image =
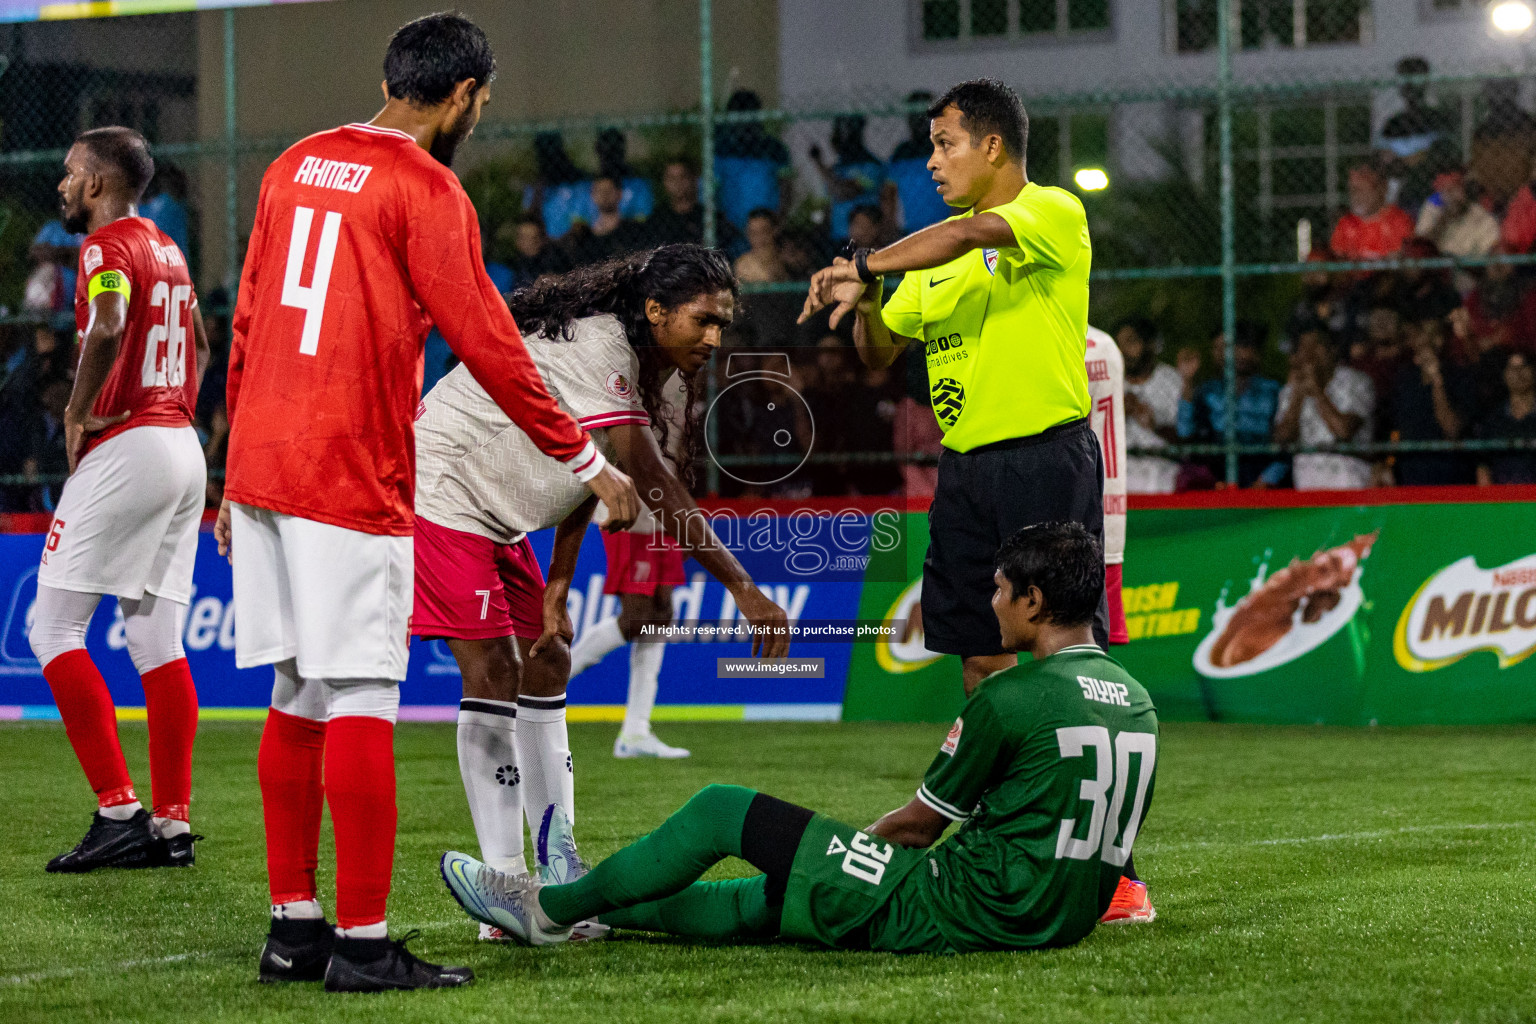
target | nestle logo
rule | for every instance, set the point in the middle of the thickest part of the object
(1514, 577)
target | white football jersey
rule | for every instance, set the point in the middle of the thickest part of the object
(1106, 388)
(478, 472)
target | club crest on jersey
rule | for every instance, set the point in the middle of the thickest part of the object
(619, 386)
(989, 257)
(953, 739)
(92, 259)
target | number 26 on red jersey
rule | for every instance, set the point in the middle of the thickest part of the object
(311, 297)
(165, 348)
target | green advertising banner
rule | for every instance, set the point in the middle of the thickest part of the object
(1389, 614)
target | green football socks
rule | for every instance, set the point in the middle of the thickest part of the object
(664, 863)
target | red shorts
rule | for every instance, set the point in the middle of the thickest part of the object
(1118, 634)
(638, 563)
(469, 587)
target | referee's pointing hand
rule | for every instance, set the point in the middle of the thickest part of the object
(838, 284)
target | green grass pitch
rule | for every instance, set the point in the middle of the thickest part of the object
(1299, 875)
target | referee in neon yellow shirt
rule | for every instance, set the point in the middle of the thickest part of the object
(997, 297)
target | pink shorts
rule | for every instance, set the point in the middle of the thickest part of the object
(469, 587)
(1118, 634)
(638, 563)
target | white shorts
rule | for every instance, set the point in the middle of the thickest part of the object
(127, 521)
(337, 600)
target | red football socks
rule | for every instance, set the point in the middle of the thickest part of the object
(292, 798)
(171, 703)
(90, 722)
(360, 785)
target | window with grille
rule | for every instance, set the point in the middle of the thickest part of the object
(951, 23)
(1060, 143)
(1267, 24)
(1291, 161)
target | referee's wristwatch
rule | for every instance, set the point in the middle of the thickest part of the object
(861, 264)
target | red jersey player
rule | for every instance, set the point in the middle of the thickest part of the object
(363, 239)
(1106, 387)
(128, 518)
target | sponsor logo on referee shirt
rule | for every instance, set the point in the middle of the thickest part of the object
(989, 257)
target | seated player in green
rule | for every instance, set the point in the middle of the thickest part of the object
(1049, 768)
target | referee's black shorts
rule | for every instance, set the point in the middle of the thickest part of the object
(982, 497)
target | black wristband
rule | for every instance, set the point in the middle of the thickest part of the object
(861, 264)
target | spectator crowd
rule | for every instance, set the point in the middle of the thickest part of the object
(1365, 356)
(1401, 355)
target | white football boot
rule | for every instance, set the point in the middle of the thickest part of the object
(508, 902)
(647, 745)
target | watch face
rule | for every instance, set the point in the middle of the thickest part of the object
(761, 418)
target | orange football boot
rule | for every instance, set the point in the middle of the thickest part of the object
(1131, 905)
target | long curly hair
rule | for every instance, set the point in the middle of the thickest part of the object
(673, 275)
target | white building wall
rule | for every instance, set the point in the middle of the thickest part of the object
(861, 52)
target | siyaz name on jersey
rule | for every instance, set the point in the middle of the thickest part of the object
(1104, 692)
(337, 174)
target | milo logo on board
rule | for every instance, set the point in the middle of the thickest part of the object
(1464, 608)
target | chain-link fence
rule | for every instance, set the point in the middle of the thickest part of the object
(1362, 229)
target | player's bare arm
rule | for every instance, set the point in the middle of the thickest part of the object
(98, 351)
(933, 246)
(877, 345)
(637, 450)
(915, 824)
(562, 568)
(200, 342)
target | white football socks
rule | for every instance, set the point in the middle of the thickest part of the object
(120, 812)
(379, 930)
(544, 758)
(298, 910)
(644, 675)
(488, 765)
(595, 644)
(172, 827)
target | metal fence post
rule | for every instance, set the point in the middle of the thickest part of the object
(1228, 233)
(231, 163)
(707, 177)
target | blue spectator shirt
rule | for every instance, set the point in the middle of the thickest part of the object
(635, 202)
(921, 204)
(869, 174)
(745, 184)
(1205, 417)
(53, 233)
(169, 216)
(501, 276)
(563, 205)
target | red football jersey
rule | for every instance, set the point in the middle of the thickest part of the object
(362, 241)
(154, 378)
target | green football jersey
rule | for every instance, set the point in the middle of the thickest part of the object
(1050, 765)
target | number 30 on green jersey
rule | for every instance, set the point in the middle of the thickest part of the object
(1113, 769)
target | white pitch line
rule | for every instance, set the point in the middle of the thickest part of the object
(1333, 837)
(121, 965)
